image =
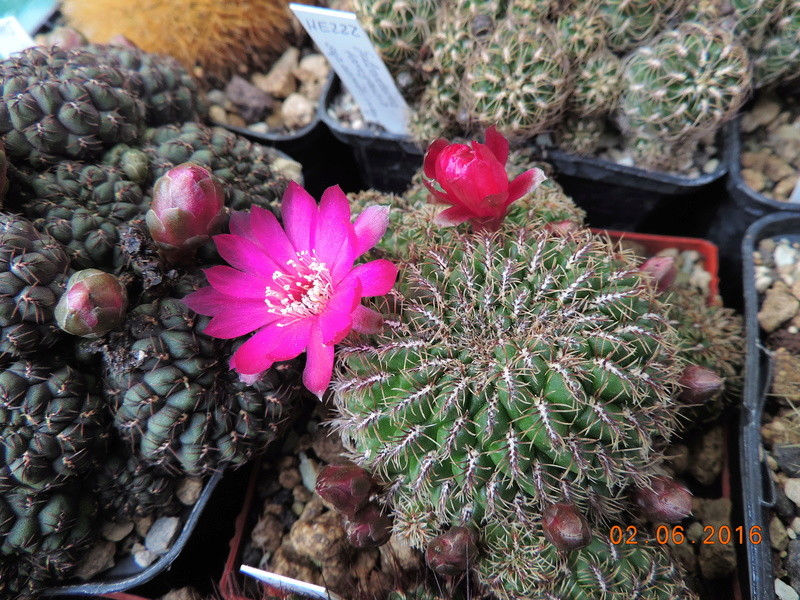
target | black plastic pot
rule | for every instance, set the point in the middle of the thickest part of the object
(758, 494)
(127, 574)
(614, 196)
(326, 160)
(742, 207)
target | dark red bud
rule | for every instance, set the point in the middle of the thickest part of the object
(699, 384)
(565, 527)
(346, 487)
(662, 270)
(452, 552)
(369, 527)
(665, 500)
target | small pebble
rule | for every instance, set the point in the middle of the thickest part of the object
(784, 591)
(99, 559)
(159, 538)
(115, 532)
(189, 490)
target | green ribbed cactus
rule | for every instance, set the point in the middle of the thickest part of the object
(631, 22)
(580, 135)
(582, 32)
(521, 563)
(684, 85)
(597, 84)
(754, 18)
(519, 81)
(174, 399)
(169, 93)
(53, 424)
(42, 539)
(33, 273)
(398, 28)
(82, 206)
(777, 58)
(59, 104)
(524, 369)
(436, 111)
(250, 173)
(126, 487)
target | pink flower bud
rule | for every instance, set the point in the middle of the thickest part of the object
(452, 552)
(665, 500)
(662, 270)
(562, 228)
(369, 527)
(188, 207)
(699, 384)
(64, 37)
(346, 487)
(94, 303)
(565, 527)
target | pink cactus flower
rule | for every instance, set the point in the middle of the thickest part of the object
(473, 180)
(295, 286)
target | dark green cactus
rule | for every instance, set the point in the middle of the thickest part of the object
(60, 103)
(176, 402)
(33, 272)
(52, 422)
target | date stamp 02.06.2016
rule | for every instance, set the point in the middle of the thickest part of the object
(676, 534)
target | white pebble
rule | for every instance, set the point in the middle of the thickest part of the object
(784, 591)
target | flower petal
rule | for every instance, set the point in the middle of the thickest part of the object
(454, 215)
(436, 147)
(207, 301)
(498, 144)
(299, 214)
(524, 183)
(366, 320)
(239, 224)
(319, 364)
(235, 283)
(272, 343)
(348, 294)
(242, 317)
(377, 277)
(370, 226)
(334, 326)
(333, 225)
(270, 235)
(244, 255)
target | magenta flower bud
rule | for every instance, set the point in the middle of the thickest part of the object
(699, 384)
(93, 304)
(662, 270)
(346, 487)
(452, 552)
(565, 527)
(188, 207)
(665, 500)
(369, 527)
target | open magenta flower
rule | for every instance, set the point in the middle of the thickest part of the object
(472, 179)
(295, 286)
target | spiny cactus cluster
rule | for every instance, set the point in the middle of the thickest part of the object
(534, 67)
(518, 399)
(108, 388)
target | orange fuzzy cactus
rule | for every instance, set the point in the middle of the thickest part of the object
(218, 37)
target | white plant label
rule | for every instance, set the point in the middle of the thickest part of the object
(339, 36)
(287, 584)
(795, 197)
(13, 37)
